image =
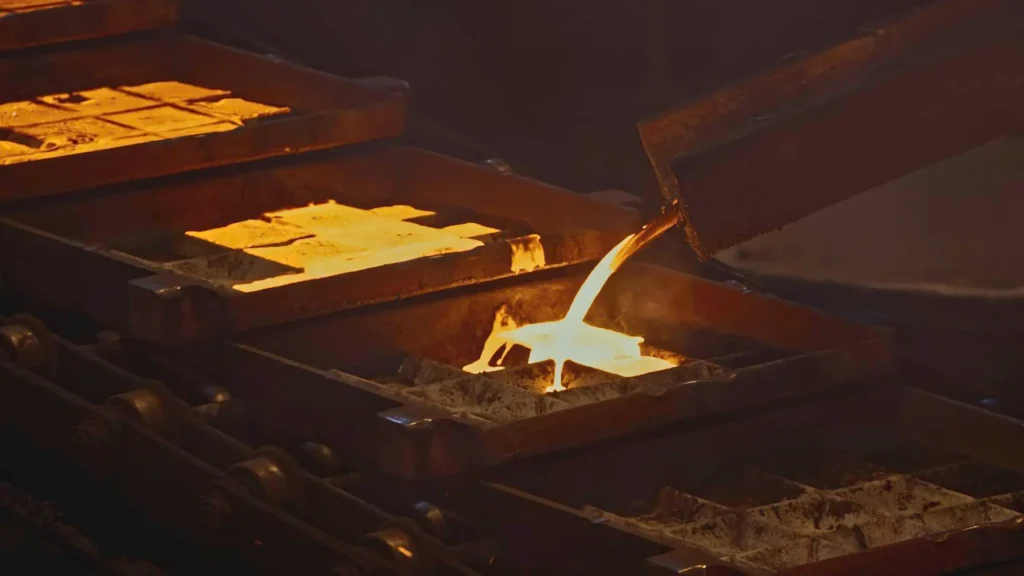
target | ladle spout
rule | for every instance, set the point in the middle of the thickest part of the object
(669, 218)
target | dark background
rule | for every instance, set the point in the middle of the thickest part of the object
(555, 87)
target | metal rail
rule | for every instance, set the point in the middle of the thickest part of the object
(164, 455)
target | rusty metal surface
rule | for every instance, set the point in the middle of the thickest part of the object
(107, 254)
(323, 111)
(27, 24)
(892, 497)
(747, 351)
(764, 152)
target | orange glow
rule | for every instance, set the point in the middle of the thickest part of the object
(527, 254)
(328, 239)
(113, 117)
(571, 338)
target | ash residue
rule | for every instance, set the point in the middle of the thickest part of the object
(902, 495)
(584, 385)
(816, 513)
(733, 533)
(964, 516)
(399, 374)
(532, 377)
(422, 371)
(671, 505)
(805, 551)
(881, 532)
(486, 398)
(974, 479)
(841, 522)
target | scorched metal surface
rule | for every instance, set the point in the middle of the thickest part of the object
(123, 257)
(764, 152)
(383, 382)
(27, 23)
(125, 109)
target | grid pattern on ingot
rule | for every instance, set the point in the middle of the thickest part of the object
(8, 6)
(112, 117)
(518, 393)
(310, 242)
(785, 512)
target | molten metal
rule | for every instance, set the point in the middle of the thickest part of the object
(571, 338)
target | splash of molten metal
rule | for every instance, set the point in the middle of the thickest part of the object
(571, 338)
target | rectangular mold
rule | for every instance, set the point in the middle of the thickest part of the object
(400, 379)
(28, 23)
(124, 258)
(894, 525)
(118, 110)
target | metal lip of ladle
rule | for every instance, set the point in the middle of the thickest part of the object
(671, 215)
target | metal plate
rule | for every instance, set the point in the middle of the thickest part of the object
(123, 257)
(91, 116)
(27, 23)
(891, 481)
(813, 131)
(336, 374)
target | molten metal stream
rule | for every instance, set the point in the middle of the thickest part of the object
(571, 338)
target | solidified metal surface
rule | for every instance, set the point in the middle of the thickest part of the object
(325, 111)
(808, 133)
